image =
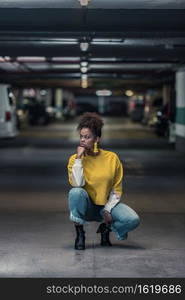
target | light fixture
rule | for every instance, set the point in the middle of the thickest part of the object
(129, 93)
(31, 59)
(84, 63)
(7, 58)
(43, 92)
(103, 93)
(84, 2)
(83, 66)
(84, 81)
(66, 58)
(84, 46)
(84, 76)
(83, 69)
(84, 84)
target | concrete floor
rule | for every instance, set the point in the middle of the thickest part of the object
(36, 236)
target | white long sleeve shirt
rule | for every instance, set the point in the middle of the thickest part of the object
(79, 181)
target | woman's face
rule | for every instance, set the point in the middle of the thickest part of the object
(87, 138)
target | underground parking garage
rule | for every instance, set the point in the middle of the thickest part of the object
(110, 58)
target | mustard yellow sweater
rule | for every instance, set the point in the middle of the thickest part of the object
(102, 175)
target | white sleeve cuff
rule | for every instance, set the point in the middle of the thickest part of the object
(112, 201)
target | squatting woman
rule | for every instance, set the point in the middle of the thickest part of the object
(96, 178)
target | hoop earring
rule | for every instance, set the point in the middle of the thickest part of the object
(95, 150)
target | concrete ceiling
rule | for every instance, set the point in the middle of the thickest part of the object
(130, 43)
(96, 4)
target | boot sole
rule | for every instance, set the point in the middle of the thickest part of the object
(80, 248)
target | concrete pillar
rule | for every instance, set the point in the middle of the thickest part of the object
(166, 92)
(59, 103)
(180, 110)
(101, 104)
(48, 97)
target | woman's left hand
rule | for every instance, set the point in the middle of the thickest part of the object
(107, 217)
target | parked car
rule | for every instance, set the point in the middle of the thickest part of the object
(8, 117)
(85, 107)
(37, 113)
(136, 110)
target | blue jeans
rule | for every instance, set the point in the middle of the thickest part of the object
(82, 209)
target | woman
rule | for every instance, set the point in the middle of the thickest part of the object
(96, 176)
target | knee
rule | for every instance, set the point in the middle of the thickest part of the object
(77, 193)
(135, 221)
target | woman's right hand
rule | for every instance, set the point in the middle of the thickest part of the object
(80, 151)
(107, 217)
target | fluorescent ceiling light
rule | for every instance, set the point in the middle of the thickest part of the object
(65, 66)
(107, 43)
(104, 59)
(7, 58)
(65, 59)
(65, 40)
(31, 58)
(103, 93)
(38, 66)
(7, 66)
(107, 40)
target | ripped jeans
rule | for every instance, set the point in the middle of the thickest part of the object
(82, 209)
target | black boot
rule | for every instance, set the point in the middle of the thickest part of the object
(80, 238)
(104, 229)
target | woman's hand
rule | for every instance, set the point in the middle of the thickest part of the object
(107, 217)
(80, 151)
